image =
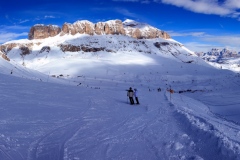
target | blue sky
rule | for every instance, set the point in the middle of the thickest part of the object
(198, 24)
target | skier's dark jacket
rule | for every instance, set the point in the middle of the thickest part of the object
(130, 93)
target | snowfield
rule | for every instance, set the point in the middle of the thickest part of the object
(74, 105)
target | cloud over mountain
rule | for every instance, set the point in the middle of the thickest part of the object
(226, 8)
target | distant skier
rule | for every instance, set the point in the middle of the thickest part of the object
(130, 94)
(136, 95)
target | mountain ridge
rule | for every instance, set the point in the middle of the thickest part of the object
(222, 58)
(38, 52)
(217, 55)
(128, 27)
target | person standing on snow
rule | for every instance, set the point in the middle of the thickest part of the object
(130, 95)
(136, 95)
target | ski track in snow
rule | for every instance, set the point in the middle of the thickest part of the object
(111, 129)
(136, 126)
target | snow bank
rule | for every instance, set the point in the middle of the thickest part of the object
(201, 117)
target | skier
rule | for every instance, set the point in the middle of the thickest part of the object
(136, 95)
(130, 95)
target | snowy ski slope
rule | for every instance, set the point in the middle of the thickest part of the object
(85, 114)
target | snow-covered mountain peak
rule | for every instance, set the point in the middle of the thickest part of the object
(222, 58)
(130, 22)
(36, 25)
(128, 27)
(82, 22)
(142, 30)
(135, 24)
(111, 40)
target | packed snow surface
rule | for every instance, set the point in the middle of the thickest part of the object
(74, 106)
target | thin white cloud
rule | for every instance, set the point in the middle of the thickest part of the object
(7, 17)
(4, 28)
(235, 4)
(201, 6)
(8, 33)
(45, 17)
(126, 12)
(200, 47)
(141, 1)
(230, 40)
(184, 34)
(145, 1)
(126, 0)
(227, 8)
(21, 21)
(24, 21)
(119, 10)
(205, 47)
(202, 41)
(221, 25)
(48, 16)
(4, 37)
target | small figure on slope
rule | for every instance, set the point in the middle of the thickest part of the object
(130, 94)
(136, 95)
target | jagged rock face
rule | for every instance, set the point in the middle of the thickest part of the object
(45, 49)
(159, 44)
(69, 48)
(82, 27)
(218, 55)
(25, 48)
(4, 56)
(114, 27)
(221, 53)
(72, 48)
(8, 47)
(164, 35)
(136, 34)
(101, 28)
(41, 31)
(146, 34)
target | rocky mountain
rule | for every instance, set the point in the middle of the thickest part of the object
(222, 58)
(113, 27)
(40, 31)
(128, 27)
(218, 55)
(114, 38)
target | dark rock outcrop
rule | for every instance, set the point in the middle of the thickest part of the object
(7, 47)
(25, 50)
(45, 49)
(4, 56)
(42, 31)
(159, 44)
(72, 48)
